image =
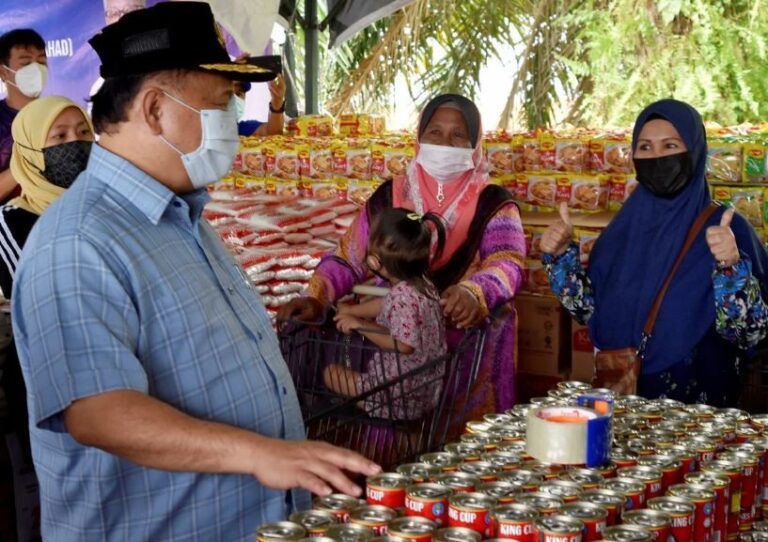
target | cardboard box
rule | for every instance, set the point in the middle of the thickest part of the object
(535, 385)
(543, 335)
(582, 353)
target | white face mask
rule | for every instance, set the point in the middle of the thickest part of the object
(239, 107)
(218, 147)
(445, 163)
(30, 79)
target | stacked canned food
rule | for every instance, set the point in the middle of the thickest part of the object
(678, 473)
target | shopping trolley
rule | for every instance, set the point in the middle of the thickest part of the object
(402, 414)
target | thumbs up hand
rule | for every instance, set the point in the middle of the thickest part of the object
(722, 242)
(558, 236)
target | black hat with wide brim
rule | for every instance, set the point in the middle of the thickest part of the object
(172, 36)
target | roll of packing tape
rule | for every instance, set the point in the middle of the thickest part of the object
(569, 436)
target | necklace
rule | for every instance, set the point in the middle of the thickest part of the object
(440, 195)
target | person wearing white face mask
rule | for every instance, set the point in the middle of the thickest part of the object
(24, 72)
(160, 406)
(480, 270)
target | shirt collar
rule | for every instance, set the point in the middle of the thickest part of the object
(146, 193)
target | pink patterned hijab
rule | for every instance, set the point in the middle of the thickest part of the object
(417, 190)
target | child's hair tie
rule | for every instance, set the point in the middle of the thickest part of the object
(416, 217)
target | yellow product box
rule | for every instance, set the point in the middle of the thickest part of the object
(620, 188)
(586, 238)
(500, 158)
(529, 153)
(547, 153)
(750, 203)
(589, 192)
(287, 164)
(320, 159)
(724, 161)
(754, 163)
(542, 190)
(360, 190)
(610, 155)
(310, 126)
(571, 155)
(361, 124)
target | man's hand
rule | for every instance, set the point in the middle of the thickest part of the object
(312, 465)
(303, 309)
(277, 91)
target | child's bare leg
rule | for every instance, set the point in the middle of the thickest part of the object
(341, 380)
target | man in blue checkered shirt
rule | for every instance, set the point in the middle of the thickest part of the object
(160, 406)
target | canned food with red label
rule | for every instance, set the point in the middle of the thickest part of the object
(514, 522)
(623, 458)
(565, 489)
(544, 503)
(705, 447)
(573, 387)
(684, 453)
(456, 534)
(627, 533)
(503, 492)
(702, 412)
(586, 478)
(374, 517)
(749, 469)
(412, 529)
(650, 476)
(651, 412)
(760, 526)
(606, 471)
(446, 461)
(642, 446)
(721, 485)
(549, 471)
(594, 516)
(316, 522)
(428, 501)
(704, 499)
(483, 470)
(661, 436)
(349, 532)
(632, 489)
(509, 432)
(476, 426)
(676, 427)
(733, 471)
(472, 511)
(468, 451)
(671, 468)
(558, 528)
(283, 531)
(496, 418)
(527, 480)
(338, 504)
(460, 482)
(490, 442)
(682, 512)
(418, 473)
(612, 501)
(387, 489)
(502, 460)
(658, 523)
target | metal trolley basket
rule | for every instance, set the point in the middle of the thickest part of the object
(397, 416)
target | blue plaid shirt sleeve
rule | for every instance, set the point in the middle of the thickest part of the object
(79, 328)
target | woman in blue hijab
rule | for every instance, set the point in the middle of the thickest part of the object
(715, 309)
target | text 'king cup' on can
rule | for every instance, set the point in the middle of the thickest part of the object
(387, 489)
(658, 523)
(412, 529)
(703, 498)
(428, 501)
(471, 511)
(559, 528)
(514, 522)
(594, 516)
(682, 511)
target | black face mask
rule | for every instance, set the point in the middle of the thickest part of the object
(665, 176)
(63, 163)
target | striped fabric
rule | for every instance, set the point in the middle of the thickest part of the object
(122, 286)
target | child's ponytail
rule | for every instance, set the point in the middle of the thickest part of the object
(439, 224)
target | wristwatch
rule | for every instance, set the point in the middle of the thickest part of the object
(280, 110)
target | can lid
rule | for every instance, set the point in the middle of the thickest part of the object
(584, 510)
(283, 530)
(560, 523)
(515, 512)
(457, 534)
(411, 525)
(627, 533)
(692, 491)
(672, 504)
(475, 501)
(647, 518)
(313, 518)
(388, 480)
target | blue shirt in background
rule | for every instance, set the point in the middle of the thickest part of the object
(122, 286)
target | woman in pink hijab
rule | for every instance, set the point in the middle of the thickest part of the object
(481, 269)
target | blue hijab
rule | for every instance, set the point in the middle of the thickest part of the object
(633, 256)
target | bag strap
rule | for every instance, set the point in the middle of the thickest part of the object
(690, 238)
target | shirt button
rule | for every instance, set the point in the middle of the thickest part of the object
(285, 391)
(231, 290)
(258, 334)
(177, 204)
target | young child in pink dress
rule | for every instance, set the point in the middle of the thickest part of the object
(409, 328)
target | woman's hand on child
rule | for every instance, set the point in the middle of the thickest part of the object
(722, 242)
(346, 323)
(461, 306)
